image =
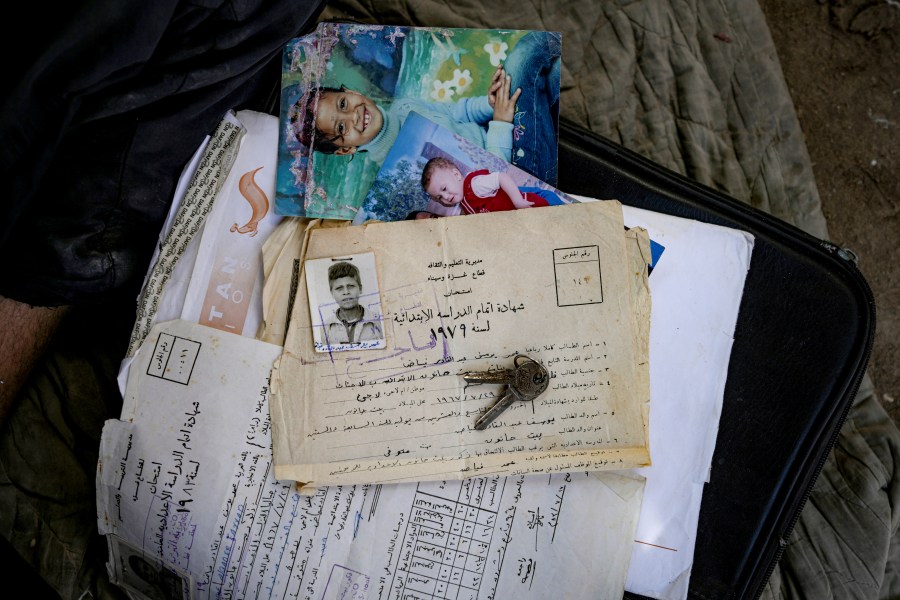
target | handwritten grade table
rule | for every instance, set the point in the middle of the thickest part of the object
(447, 541)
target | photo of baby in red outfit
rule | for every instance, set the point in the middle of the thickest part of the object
(480, 191)
(431, 172)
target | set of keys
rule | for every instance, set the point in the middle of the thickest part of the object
(525, 382)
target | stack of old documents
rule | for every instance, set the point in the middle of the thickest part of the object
(190, 493)
(234, 392)
(565, 286)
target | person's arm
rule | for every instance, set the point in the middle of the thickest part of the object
(512, 190)
(498, 140)
(496, 109)
(25, 332)
(475, 109)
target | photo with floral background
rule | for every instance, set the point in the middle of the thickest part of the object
(387, 63)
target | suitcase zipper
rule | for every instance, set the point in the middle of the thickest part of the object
(851, 257)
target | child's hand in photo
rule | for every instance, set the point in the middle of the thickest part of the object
(504, 104)
(496, 81)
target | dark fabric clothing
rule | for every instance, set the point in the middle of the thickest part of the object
(49, 449)
(108, 102)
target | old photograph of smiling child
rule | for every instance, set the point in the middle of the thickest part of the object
(347, 92)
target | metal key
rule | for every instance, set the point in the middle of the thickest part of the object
(526, 382)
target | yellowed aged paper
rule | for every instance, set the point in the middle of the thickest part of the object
(640, 257)
(282, 253)
(556, 284)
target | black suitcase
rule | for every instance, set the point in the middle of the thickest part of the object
(801, 344)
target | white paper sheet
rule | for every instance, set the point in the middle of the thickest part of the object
(228, 274)
(696, 287)
(220, 262)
